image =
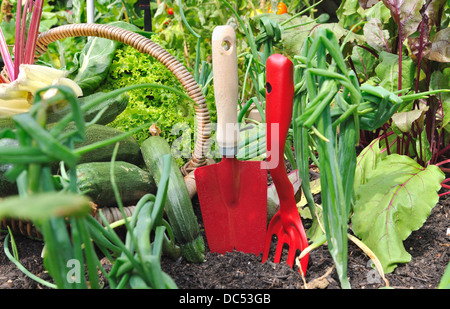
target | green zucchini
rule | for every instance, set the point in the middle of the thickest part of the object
(129, 150)
(113, 107)
(94, 180)
(178, 207)
(7, 188)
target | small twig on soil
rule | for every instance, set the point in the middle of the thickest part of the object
(418, 279)
(321, 282)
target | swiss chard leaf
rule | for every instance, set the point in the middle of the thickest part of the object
(388, 71)
(366, 162)
(364, 62)
(404, 120)
(406, 15)
(349, 13)
(440, 50)
(396, 200)
(420, 44)
(365, 4)
(376, 36)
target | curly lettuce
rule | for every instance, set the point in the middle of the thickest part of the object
(148, 105)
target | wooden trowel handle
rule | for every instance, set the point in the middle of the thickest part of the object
(225, 74)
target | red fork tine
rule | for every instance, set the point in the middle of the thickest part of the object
(286, 224)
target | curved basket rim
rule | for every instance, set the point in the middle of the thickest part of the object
(144, 45)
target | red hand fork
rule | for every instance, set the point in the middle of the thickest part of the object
(286, 224)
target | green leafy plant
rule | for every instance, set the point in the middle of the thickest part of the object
(95, 60)
(106, 11)
(403, 51)
(35, 182)
(376, 80)
(160, 106)
(445, 280)
(387, 195)
(187, 31)
(336, 180)
(352, 89)
(395, 198)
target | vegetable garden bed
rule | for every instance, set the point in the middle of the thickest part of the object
(428, 246)
(98, 116)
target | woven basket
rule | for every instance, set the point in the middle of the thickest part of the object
(146, 46)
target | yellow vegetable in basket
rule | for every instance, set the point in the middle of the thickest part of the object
(16, 97)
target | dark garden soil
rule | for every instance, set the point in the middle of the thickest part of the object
(429, 247)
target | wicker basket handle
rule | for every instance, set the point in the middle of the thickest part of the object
(147, 46)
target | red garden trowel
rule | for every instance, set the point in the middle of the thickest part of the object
(286, 224)
(232, 193)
